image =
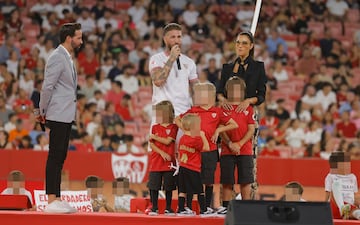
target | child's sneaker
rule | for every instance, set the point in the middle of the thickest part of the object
(221, 211)
(153, 212)
(345, 211)
(185, 212)
(356, 214)
(209, 212)
(169, 212)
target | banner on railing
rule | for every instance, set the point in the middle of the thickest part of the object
(80, 200)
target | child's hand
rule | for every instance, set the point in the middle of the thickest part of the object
(215, 136)
(165, 156)
(234, 148)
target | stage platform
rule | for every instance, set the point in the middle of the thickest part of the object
(40, 218)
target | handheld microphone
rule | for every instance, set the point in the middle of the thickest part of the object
(178, 63)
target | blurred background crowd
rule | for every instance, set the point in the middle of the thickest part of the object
(311, 50)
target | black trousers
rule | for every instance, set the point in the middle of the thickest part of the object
(58, 147)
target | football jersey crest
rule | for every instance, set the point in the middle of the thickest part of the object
(213, 115)
(167, 131)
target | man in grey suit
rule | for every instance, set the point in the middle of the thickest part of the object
(58, 108)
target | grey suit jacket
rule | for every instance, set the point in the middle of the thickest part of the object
(58, 93)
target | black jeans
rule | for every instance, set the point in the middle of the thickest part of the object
(58, 147)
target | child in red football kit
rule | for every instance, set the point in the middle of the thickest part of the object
(162, 143)
(213, 122)
(236, 146)
(191, 144)
(341, 186)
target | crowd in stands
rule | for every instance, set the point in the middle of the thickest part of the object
(311, 50)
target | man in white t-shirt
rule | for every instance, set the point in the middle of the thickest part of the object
(172, 73)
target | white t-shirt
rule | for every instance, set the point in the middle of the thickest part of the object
(326, 100)
(87, 25)
(176, 88)
(294, 138)
(123, 149)
(348, 185)
(129, 84)
(337, 8)
(23, 191)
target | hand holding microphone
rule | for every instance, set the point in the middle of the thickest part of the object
(175, 54)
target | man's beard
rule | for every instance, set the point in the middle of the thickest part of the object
(75, 47)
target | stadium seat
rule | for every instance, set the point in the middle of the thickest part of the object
(353, 16)
(316, 27)
(130, 128)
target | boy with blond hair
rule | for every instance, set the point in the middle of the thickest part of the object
(213, 122)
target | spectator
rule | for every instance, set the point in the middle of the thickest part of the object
(212, 72)
(337, 9)
(136, 11)
(281, 55)
(200, 31)
(16, 185)
(14, 23)
(26, 81)
(345, 128)
(89, 63)
(295, 134)
(109, 116)
(35, 95)
(281, 112)
(122, 60)
(89, 88)
(307, 64)
(98, 10)
(60, 7)
(42, 143)
(7, 47)
(35, 132)
(95, 185)
(102, 82)
(326, 96)
(115, 93)
(98, 99)
(39, 10)
(105, 144)
(118, 136)
(128, 79)
(25, 143)
(4, 111)
(128, 146)
(23, 106)
(125, 108)
(85, 145)
(4, 140)
(355, 113)
(313, 150)
(108, 18)
(279, 72)
(273, 41)
(270, 149)
(328, 123)
(313, 134)
(190, 14)
(293, 192)
(87, 22)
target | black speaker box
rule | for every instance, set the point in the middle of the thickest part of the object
(253, 212)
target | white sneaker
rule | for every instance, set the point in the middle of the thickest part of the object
(208, 213)
(56, 207)
(356, 214)
(69, 207)
(221, 211)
